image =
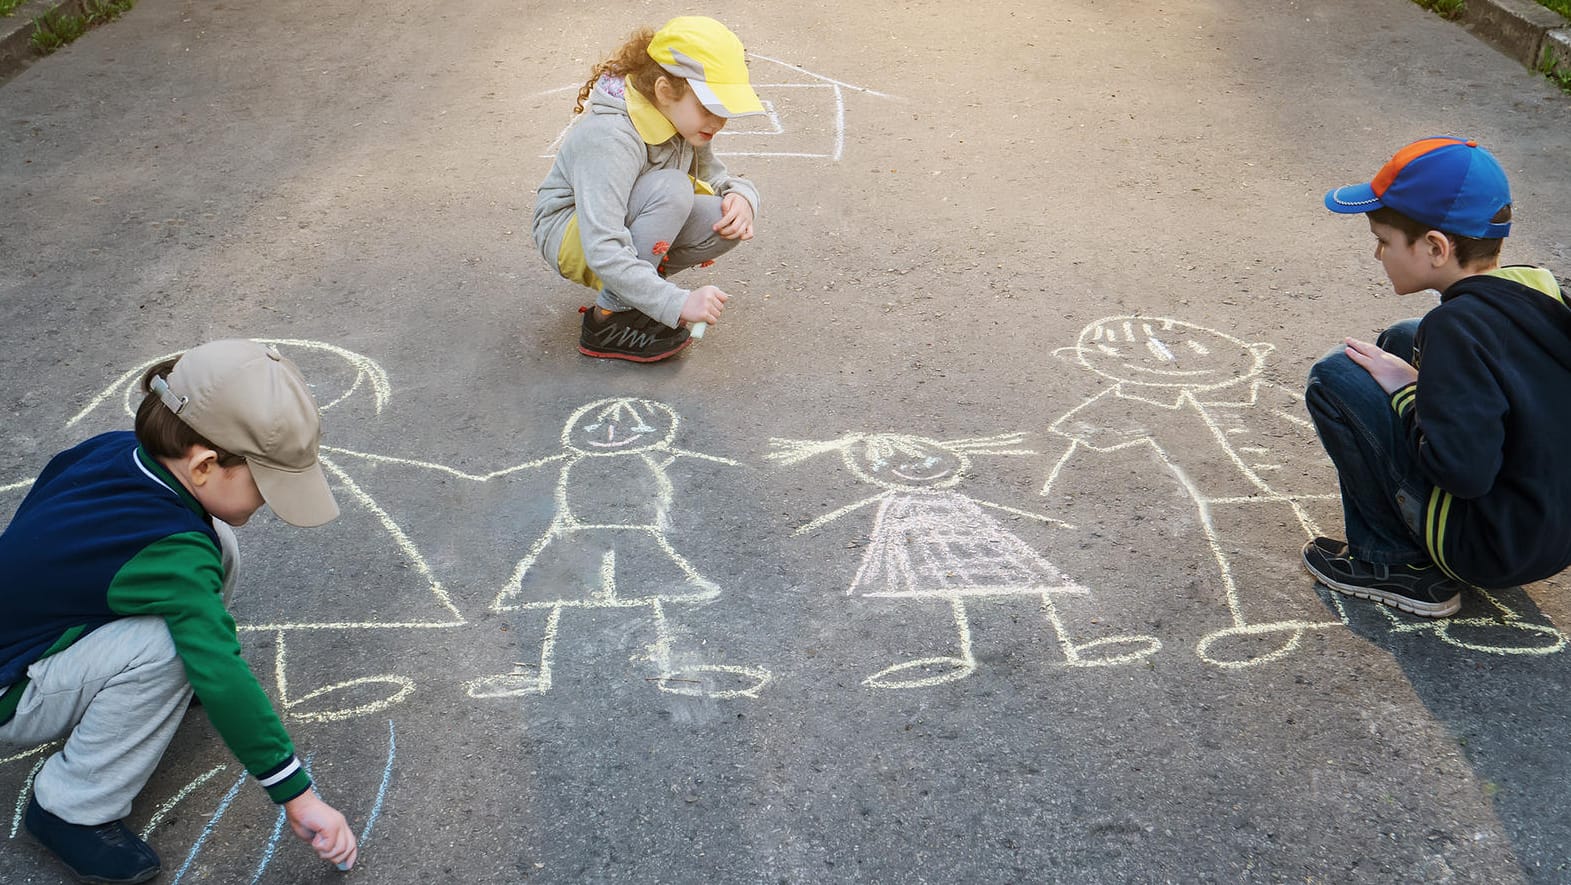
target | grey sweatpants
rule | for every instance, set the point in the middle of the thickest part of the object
(663, 208)
(117, 697)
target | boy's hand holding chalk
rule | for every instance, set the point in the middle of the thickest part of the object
(324, 827)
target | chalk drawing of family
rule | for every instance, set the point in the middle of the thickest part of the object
(607, 544)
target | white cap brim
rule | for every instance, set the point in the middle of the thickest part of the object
(299, 497)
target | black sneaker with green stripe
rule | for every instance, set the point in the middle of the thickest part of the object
(1420, 589)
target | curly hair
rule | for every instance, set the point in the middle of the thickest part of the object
(631, 61)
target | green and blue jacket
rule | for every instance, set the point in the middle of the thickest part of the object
(107, 533)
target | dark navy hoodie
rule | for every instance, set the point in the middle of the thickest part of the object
(1489, 421)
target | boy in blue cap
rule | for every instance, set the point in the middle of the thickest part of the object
(1448, 433)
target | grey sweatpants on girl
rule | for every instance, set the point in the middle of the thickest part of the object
(662, 207)
(116, 696)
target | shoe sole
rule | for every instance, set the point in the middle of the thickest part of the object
(1411, 606)
(608, 355)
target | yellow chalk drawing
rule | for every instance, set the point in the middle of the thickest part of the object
(929, 541)
(1174, 380)
(606, 546)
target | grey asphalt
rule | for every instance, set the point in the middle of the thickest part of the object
(953, 196)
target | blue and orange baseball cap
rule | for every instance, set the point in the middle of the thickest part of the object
(1450, 184)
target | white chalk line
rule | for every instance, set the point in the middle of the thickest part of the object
(22, 484)
(207, 830)
(26, 792)
(168, 805)
(405, 687)
(365, 367)
(405, 545)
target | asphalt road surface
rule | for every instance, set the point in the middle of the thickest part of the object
(964, 548)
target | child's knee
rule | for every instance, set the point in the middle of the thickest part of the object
(1398, 339)
(148, 640)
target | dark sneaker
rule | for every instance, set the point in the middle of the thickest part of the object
(108, 853)
(1422, 590)
(628, 335)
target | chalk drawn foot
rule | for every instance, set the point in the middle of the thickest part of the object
(1498, 637)
(507, 685)
(346, 700)
(715, 681)
(921, 673)
(1248, 645)
(1111, 651)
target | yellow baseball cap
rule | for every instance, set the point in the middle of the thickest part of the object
(710, 58)
(249, 400)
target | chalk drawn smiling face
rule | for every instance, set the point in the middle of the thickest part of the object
(1166, 353)
(896, 461)
(619, 426)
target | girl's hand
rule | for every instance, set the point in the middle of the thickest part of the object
(736, 218)
(704, 304)
(1390, 371)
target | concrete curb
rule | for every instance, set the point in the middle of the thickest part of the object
(1521, 29)
(16, 33)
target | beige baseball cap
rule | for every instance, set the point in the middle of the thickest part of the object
(250, 400)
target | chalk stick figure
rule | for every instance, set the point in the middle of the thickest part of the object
(931, 542)
(606, 547)
(1244, 453)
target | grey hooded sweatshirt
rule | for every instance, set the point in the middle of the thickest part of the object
(596, 166)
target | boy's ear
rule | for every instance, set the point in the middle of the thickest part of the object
(1440, 248)
(200, 462)
(1069, 354)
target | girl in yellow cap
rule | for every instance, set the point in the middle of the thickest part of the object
(637, 194)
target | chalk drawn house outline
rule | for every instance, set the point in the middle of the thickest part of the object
(837, 88)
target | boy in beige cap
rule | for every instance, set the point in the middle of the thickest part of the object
(113, 579)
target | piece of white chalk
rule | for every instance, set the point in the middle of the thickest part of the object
(696, 330)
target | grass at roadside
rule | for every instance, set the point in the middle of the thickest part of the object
(9, 6)
(1447, 9)
(52, 31)
(1561, 6)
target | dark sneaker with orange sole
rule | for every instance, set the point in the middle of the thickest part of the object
(108, 853)
(1422, 590)
(628, 335)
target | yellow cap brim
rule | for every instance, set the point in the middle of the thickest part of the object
(727, 99)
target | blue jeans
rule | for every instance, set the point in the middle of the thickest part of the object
(1383, 491)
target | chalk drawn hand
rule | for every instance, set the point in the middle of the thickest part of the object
(324, 827)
